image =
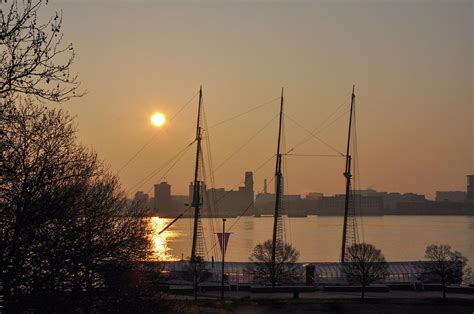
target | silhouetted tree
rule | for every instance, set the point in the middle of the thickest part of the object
(62, 215)
(365, 264)
(446, 266)
(33, 60)
(286, 271)
(41, 169)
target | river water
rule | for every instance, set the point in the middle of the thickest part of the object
(318, 238)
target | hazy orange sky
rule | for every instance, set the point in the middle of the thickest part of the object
(411, 61)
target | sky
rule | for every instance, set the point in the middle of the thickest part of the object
(411, 62)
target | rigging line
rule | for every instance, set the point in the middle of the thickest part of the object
(317, 131)
(254, 171)
(245, 210)
(176, 219)
(244, 113)
(171, 167)
(251, 203)
(313, 155)
(212, 209)
(153, 136)
(284, 219)
(211, 214)
(161, 167)
(356, 153)
(157, 170)
(251, 138)
(288, 201)
(321, 126)
(248, 207)
(333, 121)
(313, 135)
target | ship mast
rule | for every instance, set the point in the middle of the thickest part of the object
(277, 228)
(348, 176)
(196, 202)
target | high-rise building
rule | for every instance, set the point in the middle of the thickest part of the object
(249, 187)
(470, 188)
(163, 201)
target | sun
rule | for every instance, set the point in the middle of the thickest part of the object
(158, 119)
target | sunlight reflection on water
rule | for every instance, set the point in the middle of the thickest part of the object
(160, 249)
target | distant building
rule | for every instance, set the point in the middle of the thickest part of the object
(334, 205)
(450, 196)
(470, 189)
(248, 187)
(412, 197)
(233, 202)
(141, 201)
(391, 200)
(314, 196)
(163, 201)
(368, 192)
(265, 204)
(180, 201)
(227, 203)
(141, 197)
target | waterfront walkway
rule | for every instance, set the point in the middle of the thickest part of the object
(394, 302)
(325, 295)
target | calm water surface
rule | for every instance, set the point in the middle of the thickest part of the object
(318, 238)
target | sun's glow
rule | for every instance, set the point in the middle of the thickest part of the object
(158, 119)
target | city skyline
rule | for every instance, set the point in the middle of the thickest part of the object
(414, 96)
(244, 202)
(263, 190)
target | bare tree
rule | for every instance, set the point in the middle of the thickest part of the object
(33, 59)
(40, 170)
(365, 264)
(62, 215)
(446, 266)
(286, 270)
